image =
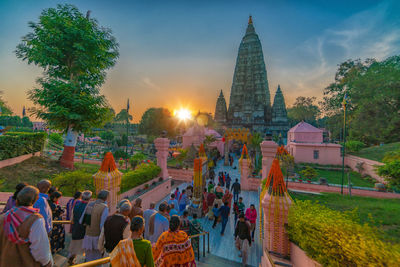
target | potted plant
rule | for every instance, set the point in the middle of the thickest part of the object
(300, 180)
(146, 186)
(309, 173)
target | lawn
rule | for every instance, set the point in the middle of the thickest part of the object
(35, 169)
(377, 152)
(383, 213)
(335, 177)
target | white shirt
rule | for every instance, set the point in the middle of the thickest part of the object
(40, 245)
(146, 215)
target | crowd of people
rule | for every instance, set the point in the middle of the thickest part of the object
(160, 236)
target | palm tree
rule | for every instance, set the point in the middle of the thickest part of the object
(255, 142)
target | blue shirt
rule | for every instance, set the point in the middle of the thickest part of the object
(173, 212)
(44, 210)
(224, 211)
(184, 200)
(175, 202)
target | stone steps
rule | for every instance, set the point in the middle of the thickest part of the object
(215, 261)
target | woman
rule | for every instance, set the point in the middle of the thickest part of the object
(142, 247)
(251, 216)
(57, 234)
(72, 202)
(173, 247)
(11, 200)
(227, 198)
(210, 202)
(185, 223)
(195, 228)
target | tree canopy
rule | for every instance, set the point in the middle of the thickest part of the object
(155, 120)
(373, 90)
(123, 116)
(303, 109)
(74, 52)
(4, 109)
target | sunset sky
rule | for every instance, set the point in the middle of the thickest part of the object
(181, 53)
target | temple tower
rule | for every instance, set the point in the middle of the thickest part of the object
(249, 103)
(220, 109)
(279, 120)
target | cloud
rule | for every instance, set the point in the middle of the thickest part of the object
(150, 84)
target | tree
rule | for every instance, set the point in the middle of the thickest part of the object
(372, 88)
(156, 120)
(304, 109)
(123, 116)
(107, 136)
(4, 109)
(75, 53)
(255, 142)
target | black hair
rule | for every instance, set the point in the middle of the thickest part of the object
(18, 188)
(252, 205)
(241, 215)
(185, 213)
(77, 194)
(183, 191)
(174, 223)
(226, 203)
(137, 223)
(240, 198)
(195, 216)
(55, 194)
(172, 195)
(52, 189)
(216, 206)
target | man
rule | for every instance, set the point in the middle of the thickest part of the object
(251, 216)
(43, 205)
(158, 223)
(210, 187)
(183, 201)
(29, 245)
(172, 210)
(177, 193)
(241, 206)
(236, 190)
(116, 228)
(95, 216)
(228, 181)
(77, 228)
(146, 215)
(172, 200)
(136, 208)
(224, 213)
(185, 223)
(243, 238)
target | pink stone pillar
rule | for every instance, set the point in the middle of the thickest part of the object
(244, 174)
(162, 145)
(276, 209)
(268, 150)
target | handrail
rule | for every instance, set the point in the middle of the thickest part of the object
(107, 259)
(62, 222)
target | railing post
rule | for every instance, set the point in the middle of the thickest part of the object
(198, 250)
(204, 245)
(208, 242)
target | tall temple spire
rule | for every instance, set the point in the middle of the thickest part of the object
(220, 109)
(279, 113)
(250, 20)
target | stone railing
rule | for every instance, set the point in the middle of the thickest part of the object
(16, 160)
(185, 175)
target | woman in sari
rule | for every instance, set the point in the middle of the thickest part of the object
(227, 197)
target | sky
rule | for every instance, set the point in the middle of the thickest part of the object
(182, 53)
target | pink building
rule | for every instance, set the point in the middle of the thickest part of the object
(197, 134)
(39, 126)
(306, 144)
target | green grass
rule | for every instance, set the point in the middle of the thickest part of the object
(382, 213)
(335, 177)
(377, 152)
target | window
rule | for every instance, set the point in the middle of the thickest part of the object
(316, 154)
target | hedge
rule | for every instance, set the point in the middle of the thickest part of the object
(334, 238)
(14, 144)
(70, 182)
(143, 173)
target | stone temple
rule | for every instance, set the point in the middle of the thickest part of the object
(249, 102)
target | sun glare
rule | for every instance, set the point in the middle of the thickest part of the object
(183, 114)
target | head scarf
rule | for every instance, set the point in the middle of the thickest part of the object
(13, 219)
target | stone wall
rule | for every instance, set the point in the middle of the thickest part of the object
(181, 174)
(299, 258)
(16, 160)
(368, 166)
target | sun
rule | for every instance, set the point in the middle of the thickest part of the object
(183, 114)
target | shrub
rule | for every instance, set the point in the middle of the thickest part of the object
(70, 182)
(120, 154)
(139, 156)
(334, 238)
(56, 138)
(391, 171)
(309, 173)
(142, 174)
(354, 146)
(14, 144)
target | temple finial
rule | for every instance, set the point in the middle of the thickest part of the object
(250, 20)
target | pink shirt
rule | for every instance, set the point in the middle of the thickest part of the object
(251, 215)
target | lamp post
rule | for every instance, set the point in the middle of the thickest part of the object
(344, 138)
(127, 133)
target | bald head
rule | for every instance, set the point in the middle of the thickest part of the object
(44, 186)
(27, 196)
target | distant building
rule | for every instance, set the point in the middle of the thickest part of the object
(196, 135)
(249, 102)
(39, 126)
(306, 144)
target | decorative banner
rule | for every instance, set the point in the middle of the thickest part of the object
(241, 134)
(245, 155)
(202, 152)
(197, 180)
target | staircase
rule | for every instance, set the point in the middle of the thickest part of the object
(215, 261)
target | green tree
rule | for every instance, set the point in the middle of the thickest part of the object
(372, 88)
(4, 109)
(123, 117)
(75, 53)
(309, 173)
(107, 136)
(304, 109)
(56, 139)
(255, 148)
(156, 120)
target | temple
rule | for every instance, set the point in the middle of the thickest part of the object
(249, 102)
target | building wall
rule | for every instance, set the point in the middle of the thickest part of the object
(328, 154)
(310, 137)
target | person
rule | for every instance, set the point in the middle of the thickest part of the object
(23, 235)
(210, 203)
(57, 234)
(77, 228)
(204, 200)
(146, 215)
(116, 227)
(185, 223)
(236, 211)
(43, 205)
(215, 211)
(142, 247)
(228, 181)
(210, 187)
(236, 190)
(183, 201)
(219, 192)
(172, 210)
(227, 197)
(158, 223)
(71, 204)
(194, 229)
(189, 191)
(136, 208)
(241, 206)
(221, 180)
(95, 216)
(251, 216)
(224, 214)
(172, 200)
(12, 199)
(242, 238)
(173, 247)
(177, 193)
